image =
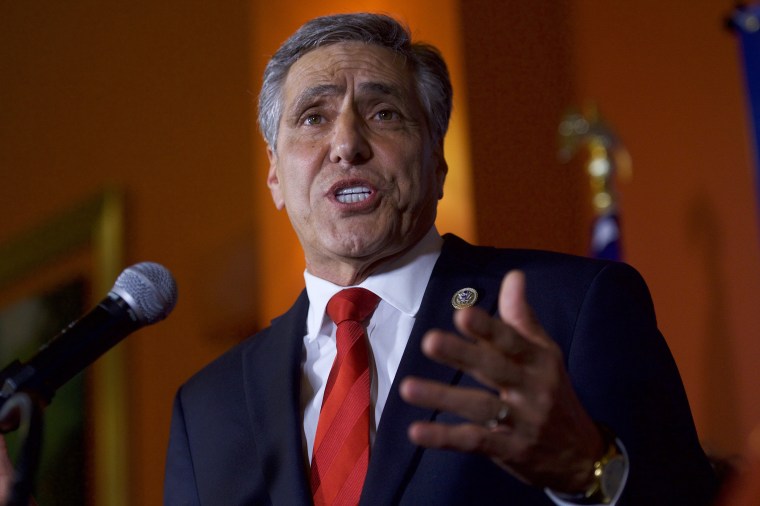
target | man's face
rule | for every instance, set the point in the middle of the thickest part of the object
(354, 166)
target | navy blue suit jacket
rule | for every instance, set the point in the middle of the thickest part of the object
(237, 436)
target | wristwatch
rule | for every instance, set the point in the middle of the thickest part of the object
(608, 473)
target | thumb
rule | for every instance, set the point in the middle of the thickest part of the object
(514, 309)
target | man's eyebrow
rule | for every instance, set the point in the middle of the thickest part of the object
(381, 88)
(310, 94)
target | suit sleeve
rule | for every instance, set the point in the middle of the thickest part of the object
(179, 477)
(626, 377)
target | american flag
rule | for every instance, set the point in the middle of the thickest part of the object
(606, 238)
(746, 22)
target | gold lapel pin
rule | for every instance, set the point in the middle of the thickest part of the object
(466, 297)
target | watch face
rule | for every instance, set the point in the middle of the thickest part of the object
(612, 476)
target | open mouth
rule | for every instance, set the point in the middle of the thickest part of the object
(352, 194)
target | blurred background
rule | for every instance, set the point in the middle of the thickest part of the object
(127, 133)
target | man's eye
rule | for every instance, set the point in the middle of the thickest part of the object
(313, 119)
(387, 115)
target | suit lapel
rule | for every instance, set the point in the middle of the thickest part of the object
(272, 374)
(393, 457)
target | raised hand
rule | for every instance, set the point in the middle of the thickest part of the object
(530, 422)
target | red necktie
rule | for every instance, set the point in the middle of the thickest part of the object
(341, 446)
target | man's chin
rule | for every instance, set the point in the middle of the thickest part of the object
(357, 247)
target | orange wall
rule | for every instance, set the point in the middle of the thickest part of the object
(519, 80)
(157, 97)
(667, 77)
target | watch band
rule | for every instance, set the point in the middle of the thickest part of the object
(607, 472)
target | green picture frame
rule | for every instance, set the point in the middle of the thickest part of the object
(93, 228)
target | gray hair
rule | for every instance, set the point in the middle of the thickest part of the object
(425, 61)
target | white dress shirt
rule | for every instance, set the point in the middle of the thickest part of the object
(400, 285)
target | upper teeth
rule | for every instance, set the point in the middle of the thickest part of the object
(352, 194)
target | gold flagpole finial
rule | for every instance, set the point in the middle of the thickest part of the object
(606, 155)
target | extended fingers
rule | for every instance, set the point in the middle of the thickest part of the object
(477, 324)
(475, 405)
(516, 330)
(466, 437)
(478, 358)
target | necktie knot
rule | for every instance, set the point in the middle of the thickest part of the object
(354, 304)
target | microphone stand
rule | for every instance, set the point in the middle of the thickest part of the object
(23, 412)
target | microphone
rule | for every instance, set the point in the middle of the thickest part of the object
(143, 294)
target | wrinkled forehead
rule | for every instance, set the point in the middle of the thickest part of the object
(354, 66)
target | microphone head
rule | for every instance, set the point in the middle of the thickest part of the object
(149, 289)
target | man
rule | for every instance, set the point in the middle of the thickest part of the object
(547, 381)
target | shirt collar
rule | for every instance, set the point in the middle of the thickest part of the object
(401, 283)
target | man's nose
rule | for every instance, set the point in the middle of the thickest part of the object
(349, 144)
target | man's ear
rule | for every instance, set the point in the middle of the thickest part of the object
(273, 181)
(441, 169)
